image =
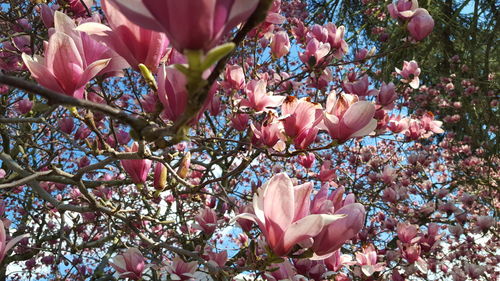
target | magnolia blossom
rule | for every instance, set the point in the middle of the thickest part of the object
(336, 40)
(332, 237)
(280, 44)
(315, 52)
(284, 271)
(77, 7)
(240, 121)
(421, 24)
(410, 73)
(235, 77)
(300, 117)
(387, 95)
(47, 14)
(368, 261)
(306, 160)
(345, 117)
(24, 106)
(172, 91)
(282, 212)
(359, 87)
(336, 261)
(134, 43)
(206, 221)
(403, 9)
(180, 270)
(5, 245)
(192, 25)
(258, 98)
(130, 264)
(137, 169)
(269, 133)
(71, 59)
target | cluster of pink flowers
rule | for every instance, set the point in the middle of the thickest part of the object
(420, 22)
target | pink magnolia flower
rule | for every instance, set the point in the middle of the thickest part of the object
(398, 124)
(245, 224)
(345, 117)
(359, 87)
(130, 264)
(240, 121)
(47, 15)
(137, 169)
(368, 261)
(326, 173)
(305, 138)
(180, 270)
(315, 52)
(282, 213)
(206, 221)
(407, 233)
(9, 53)
(66, 125)
(5, 245)
(403, 9)
(71, 59)
(388, 175)
(410, 73)
(217, 259)
(299, 116)
(285, 271)
(319, 32)
(82, 133)
(172, 91)
(135, 44)
(24, 106)
(336, 261)
(336, 40)
(192, 25)
(77, 7)
(235, 77)
(387, 95)
(306, 160)
(269, 133)
(280, 44)
(421, 24)
(258, 98)
(431, 125)
(332, 237)
(364, 53)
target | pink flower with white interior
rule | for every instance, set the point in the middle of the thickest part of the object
(403, 9)
(135, 44)
(282, 213)
(345, 117)
(410, 73)
(258, 98)
(130, 264)
(368, 261)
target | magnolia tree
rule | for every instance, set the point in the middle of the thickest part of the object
(235, 140)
